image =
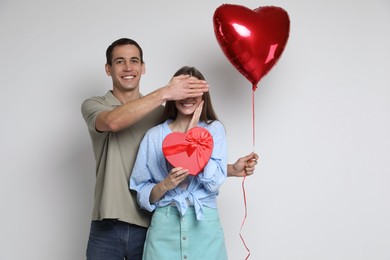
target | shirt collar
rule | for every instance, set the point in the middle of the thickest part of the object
(112, 100)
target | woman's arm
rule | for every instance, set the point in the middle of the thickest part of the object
(215, 172)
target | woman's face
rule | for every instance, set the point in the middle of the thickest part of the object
(187, 106)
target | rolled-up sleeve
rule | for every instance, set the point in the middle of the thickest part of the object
(215, 172)
(141, 179)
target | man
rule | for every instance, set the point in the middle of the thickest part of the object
(117, 122)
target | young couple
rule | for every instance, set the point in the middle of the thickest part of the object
(185, 221)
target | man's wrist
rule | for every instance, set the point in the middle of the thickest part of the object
(165, 94)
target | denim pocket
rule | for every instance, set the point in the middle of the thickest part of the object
(159, 219)
(211, 217)
(101, 225)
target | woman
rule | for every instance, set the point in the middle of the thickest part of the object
(185, 222)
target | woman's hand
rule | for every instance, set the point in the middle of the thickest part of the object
(196, 116)
(175, 176)
(244, 166)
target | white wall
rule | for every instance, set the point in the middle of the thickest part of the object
(321, 190)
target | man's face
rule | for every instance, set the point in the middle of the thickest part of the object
(126, 68)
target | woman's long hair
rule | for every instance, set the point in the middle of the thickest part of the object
(208, 114)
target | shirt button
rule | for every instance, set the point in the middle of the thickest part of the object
(185, 257)
(184, 238)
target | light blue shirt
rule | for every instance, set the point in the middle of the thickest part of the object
(151, 167)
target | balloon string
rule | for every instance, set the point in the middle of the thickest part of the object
(253, 116)
(243, 222)
(243, 180)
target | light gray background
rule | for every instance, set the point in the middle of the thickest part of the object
(321, 190)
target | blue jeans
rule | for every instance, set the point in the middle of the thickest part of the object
(115, 240)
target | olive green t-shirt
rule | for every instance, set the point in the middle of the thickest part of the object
(115, 154)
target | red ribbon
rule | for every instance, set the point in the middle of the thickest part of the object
(243, 222)
(198, 140)
(243, 180)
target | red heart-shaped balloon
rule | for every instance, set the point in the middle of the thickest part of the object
(190, 150)
(252, 40)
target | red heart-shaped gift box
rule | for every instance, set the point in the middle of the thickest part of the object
(190, 150)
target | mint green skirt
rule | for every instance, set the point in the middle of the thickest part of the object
(173, 237)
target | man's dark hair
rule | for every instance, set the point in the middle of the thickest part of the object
(120, 42)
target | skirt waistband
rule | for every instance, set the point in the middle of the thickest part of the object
(172, 210)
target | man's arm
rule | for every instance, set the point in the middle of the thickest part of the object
(244, 166)
(179, 87)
